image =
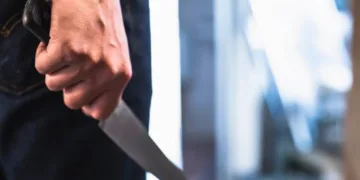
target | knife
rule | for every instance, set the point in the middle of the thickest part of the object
(122, 127)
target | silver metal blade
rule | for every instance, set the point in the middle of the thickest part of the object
(126, 131)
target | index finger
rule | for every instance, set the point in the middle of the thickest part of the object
(49, 58)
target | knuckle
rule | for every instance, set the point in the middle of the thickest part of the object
(84, 51)
(94, 56)
(124, 73)
(127, 74)
(78, 49)
(39, 67)
(97, 114)
(94, 59)
(70, 103)
(51, 85)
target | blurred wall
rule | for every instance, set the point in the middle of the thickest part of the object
(197, 59)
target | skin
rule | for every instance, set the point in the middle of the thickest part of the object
(87, 57)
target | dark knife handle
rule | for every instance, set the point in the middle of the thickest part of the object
(37, 18)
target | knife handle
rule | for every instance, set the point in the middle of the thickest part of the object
(37, 18)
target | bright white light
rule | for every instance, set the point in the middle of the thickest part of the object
(254, 37)
(279, 24)
(302, 40)
(336, 77)
(165, 118)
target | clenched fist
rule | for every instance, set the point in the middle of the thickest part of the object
(87, 56)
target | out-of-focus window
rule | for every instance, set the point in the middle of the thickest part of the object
(304, 45)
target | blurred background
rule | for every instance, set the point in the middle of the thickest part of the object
(251, 89)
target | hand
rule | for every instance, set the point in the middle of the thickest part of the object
(87, 56)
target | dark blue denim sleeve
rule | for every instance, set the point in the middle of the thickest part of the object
(40, 138)
(137, 23)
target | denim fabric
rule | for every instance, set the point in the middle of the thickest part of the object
(41, 139)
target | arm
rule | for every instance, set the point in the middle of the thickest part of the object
(87, 56)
